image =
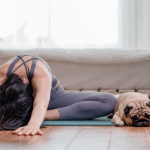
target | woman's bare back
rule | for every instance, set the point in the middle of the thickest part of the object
(21, 70)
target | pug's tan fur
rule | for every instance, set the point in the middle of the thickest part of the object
(137, 103)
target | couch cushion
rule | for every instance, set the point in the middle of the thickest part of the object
(96, 56)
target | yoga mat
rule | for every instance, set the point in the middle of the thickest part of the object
(101, 121)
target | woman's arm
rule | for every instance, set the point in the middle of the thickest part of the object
(41, 83)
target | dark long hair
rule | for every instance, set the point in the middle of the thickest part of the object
(16, 102)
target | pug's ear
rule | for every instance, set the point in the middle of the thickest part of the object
(148, 104)
(127, 110)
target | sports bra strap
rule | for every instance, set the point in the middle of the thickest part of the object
(32, 68)
(31, 73)
(24, 65)
(45, 63)
(9, 71)
(47, 67)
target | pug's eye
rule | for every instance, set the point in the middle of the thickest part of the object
(147, 115)
(134, 117)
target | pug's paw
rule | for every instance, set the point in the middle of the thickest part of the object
(119, 123)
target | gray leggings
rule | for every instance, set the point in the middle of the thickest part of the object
(81, 105)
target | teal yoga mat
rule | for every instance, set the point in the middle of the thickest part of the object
(102, 121)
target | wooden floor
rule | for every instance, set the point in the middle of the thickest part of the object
(80, 138)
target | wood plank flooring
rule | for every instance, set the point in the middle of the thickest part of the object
(80, 138)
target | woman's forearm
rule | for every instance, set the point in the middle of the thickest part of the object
(38, 114)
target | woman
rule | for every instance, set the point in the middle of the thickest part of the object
(30, 94)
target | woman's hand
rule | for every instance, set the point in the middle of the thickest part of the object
(28, 130)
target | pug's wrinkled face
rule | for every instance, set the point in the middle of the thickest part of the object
(137, 114)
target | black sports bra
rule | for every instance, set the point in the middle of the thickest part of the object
(31, 73)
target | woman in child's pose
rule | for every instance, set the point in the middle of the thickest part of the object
(30, 94)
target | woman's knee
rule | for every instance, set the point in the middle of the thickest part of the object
(107, 103)
(111, 98)
(108, 99)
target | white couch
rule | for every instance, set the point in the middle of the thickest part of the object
(101, 69)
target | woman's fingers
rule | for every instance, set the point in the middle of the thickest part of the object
(33, 132)
(29, 132)
(39, 132)
(26, 130)
(36, 132)
(22, 132)
(18, 130)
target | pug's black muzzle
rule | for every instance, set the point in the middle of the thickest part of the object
(141, 123)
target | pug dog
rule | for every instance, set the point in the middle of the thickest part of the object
(132, 109)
